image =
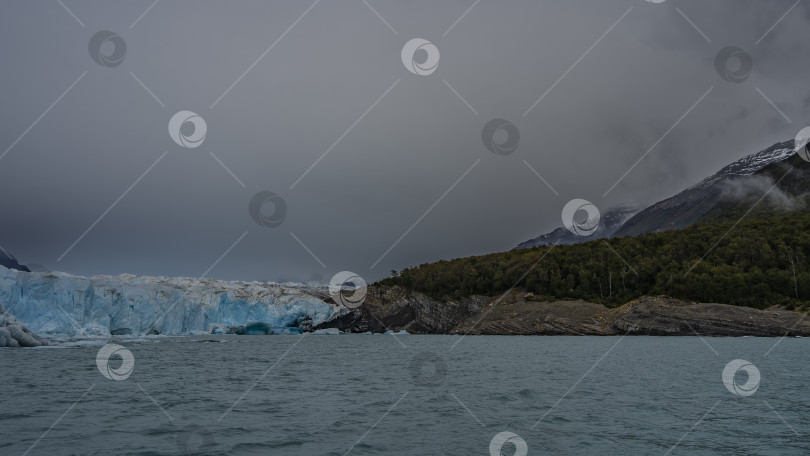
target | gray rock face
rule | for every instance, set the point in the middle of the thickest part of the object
(15, 334)
(388, 308)
(662, 316)
(520, 313)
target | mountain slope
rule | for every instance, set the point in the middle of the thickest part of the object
(678, 211)
(690, 205)
(754, 258)
(609, 222)
(7, 260)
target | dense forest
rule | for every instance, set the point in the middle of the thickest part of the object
(757, 262)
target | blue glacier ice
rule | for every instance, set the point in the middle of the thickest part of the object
(57, 303)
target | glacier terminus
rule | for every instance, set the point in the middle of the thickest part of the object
(61, 304)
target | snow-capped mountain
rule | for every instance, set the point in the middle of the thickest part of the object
(691, 204)
(677, 211)
(609, 222)
(749, 164)
(64, 304)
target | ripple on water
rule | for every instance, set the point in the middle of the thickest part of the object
(328, 393)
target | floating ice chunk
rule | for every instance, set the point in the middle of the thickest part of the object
(15, 334)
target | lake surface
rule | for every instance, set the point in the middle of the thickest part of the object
(370, 395)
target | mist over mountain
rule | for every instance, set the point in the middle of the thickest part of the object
(688, 206)
(609, 222)
(738, 181)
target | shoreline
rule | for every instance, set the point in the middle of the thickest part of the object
(520, 313)
(393, 310)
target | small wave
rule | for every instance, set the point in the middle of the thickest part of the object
(528, 392)
(259, 446)
(83, 343)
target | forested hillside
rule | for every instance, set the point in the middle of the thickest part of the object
(757, 262)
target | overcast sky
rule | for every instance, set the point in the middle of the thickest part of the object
(93, 182)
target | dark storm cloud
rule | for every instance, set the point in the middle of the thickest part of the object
(396, 163)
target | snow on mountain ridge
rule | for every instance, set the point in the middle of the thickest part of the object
(625, 220)
(689, 205)
(750, 164)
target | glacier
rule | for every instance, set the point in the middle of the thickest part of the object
(61, 304)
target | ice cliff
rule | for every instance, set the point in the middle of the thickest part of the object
(63, 304)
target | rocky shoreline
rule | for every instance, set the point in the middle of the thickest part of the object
(520, 313)
(394, 309)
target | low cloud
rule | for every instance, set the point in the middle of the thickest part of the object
(754, 187)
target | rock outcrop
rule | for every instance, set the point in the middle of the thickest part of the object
(15, 334)
(661, 316)
(520, 313)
